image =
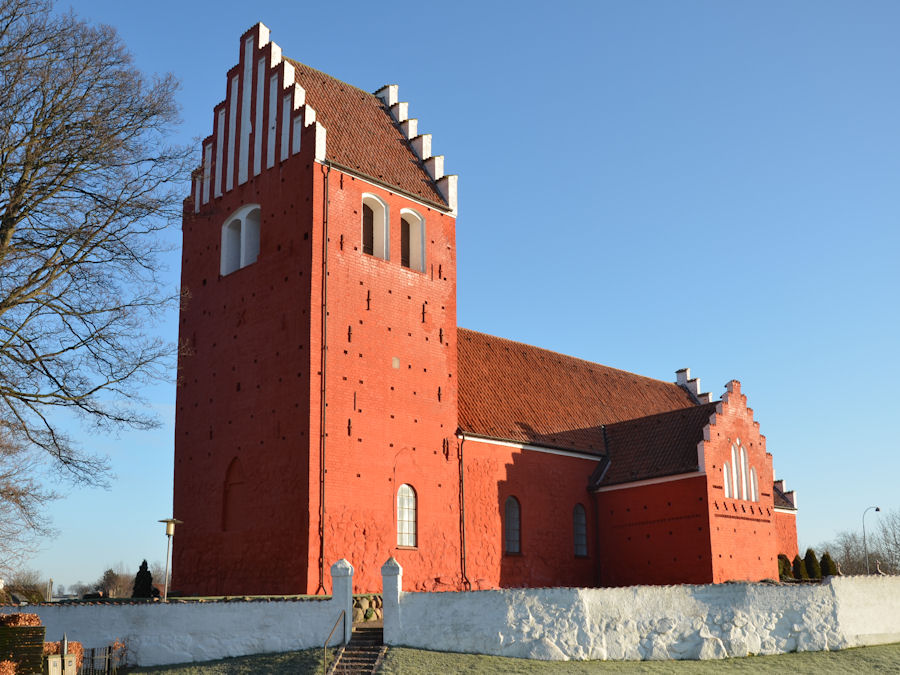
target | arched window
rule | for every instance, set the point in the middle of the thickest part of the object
(754, 485)
(735, 470)
(406, 516)
(745, 474)
(235, 497)
(375, 239)
(412, 240)
(579, 523)
(726, 476)
(240, 239)
(512, 526)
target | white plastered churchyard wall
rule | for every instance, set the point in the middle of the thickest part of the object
(646, 622)
(178, 632)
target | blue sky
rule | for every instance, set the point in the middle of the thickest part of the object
(648, 185)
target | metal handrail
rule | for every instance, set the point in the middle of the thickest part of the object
(343, 615)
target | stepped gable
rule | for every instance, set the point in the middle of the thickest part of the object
(362, 135)
(657, 445)
(269, 102)
(513, 391)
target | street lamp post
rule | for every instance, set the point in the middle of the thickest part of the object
(865, 546)
(170, 532)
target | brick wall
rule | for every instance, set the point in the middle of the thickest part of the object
(742, 532)
(390, 388)
(243, 394)
(547, 487)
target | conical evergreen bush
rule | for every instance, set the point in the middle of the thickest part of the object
(143, 583)
(829, 568)
(784, 567)
(813, 569)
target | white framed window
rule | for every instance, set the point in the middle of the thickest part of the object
(579, 526)
(512, 526)
(745, 471)
(375, 227)
(240, 239)
(726, 477)
(754, 485)
(406, 516)
(412, 240)
(735, 469)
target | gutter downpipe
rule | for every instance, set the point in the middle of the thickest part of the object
(462, 513)
(326, 170)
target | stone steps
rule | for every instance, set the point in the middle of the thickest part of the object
(365, 651)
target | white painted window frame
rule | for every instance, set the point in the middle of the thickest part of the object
(416, 238)
(381, 239)
(407, 517)
(236, 252)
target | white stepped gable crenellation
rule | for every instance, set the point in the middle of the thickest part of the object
(410, 128)
(246, 137)
(684, 380)
(419, 143)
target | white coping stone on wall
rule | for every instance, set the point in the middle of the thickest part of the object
(650, 622)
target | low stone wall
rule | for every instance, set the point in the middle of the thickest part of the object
(177, 632)
(646, 622)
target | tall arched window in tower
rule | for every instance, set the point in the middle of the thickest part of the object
(512, 526)
(579, 526)
(406, 516)
(754, 485)
(735, 470)
(412, 240)
(726, 479)
(240, 239)
(375, 230)
(745, 474)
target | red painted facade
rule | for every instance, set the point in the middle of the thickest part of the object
(314, 313)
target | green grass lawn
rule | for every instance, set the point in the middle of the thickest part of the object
(881, 659)
(288, 663)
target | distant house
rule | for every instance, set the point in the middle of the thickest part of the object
(329, 406)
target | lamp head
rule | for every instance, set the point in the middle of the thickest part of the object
(170, 525)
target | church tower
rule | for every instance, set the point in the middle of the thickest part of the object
(317, 395)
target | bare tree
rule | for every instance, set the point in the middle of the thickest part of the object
(115, 583)
(88, 180)
(888, 541)
(22, 502)
(27, 585)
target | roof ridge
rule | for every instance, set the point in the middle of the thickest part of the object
(566, 356)
(694, 408)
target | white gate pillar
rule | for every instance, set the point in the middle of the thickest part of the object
(391, 590)
(342, 593)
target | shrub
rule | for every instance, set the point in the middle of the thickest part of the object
(143, 582)
(784, 567)
(799, 568)
(7, 668)
(20, 619)
(812, 564)
(829, 568)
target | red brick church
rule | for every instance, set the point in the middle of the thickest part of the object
(329, 406)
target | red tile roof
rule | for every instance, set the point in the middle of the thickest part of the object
(657, 445)
(781, 498)
(362, 135)
(521, 393)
